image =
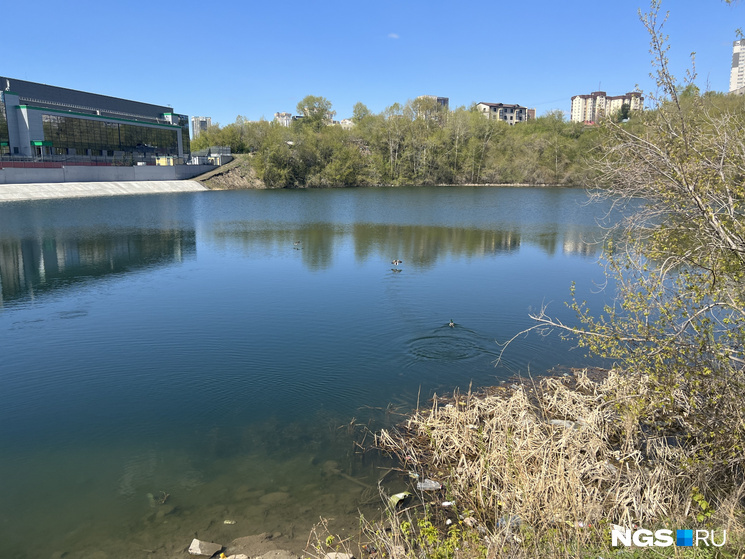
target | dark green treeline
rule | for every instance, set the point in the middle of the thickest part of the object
(416, 143)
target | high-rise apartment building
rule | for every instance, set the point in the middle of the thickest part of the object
(737, 74)
(199, 124)
(597, 105)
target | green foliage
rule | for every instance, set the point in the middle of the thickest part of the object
(360, 112)
(679, 269)
(316, 112)
(624, 113)
(419, 143)
(703, 506)
(424, 538)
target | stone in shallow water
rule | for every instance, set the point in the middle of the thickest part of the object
(198, 547)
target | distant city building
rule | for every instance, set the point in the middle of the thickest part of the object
(213, 155)
(427, 111)
(531, 114)
(737, 74)
(285, 119)
(442, 101)
(39, 120)
(597, 105)
(506, 113)
(199, 124)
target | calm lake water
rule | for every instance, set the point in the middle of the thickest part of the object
(221, 347)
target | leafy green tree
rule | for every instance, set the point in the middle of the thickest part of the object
(458, 131)
(275, 162)
(624, 113)
(678, 321)
(394, 133)
(360, 112)
(689, 91)
(207, 138)
(419, 142)
(484, 135)
(316, 111)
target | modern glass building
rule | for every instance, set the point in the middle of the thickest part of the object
(38, 120)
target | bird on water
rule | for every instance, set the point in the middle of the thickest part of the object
(451, 323)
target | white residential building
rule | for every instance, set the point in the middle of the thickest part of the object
(285, 119)
(199, 124)
(597, 105)
(737, 74)
(507, 113)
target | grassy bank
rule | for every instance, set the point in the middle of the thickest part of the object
(544, 468)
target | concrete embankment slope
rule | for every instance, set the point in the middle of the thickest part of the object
(41, 191)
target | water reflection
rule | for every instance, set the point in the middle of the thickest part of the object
(29, 266)
(418, 245)
(54, 244)
(43, 246)
(33, 265)
(225, 381)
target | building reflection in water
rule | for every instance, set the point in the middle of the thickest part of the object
(30, 266)
(419, 245)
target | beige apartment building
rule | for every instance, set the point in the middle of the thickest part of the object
(506, 113)
(597, 105)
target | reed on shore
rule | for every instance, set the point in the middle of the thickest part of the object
(544, 468)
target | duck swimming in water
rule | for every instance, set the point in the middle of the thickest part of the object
(451, 323)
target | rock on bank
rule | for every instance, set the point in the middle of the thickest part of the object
(41, 191)
(236, 175)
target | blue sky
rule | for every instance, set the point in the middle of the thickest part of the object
(230, 58)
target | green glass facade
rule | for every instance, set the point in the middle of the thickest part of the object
(183, 122)
(4, 136)
(38, 120)
(73, 133)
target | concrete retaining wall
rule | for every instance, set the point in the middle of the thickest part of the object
(81, 173)
(41, 191)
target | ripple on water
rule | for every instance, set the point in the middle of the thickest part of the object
(450, 344)
(67, 315)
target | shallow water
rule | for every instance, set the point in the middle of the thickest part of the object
(220, 347)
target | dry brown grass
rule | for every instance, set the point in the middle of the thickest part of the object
(559, 454)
